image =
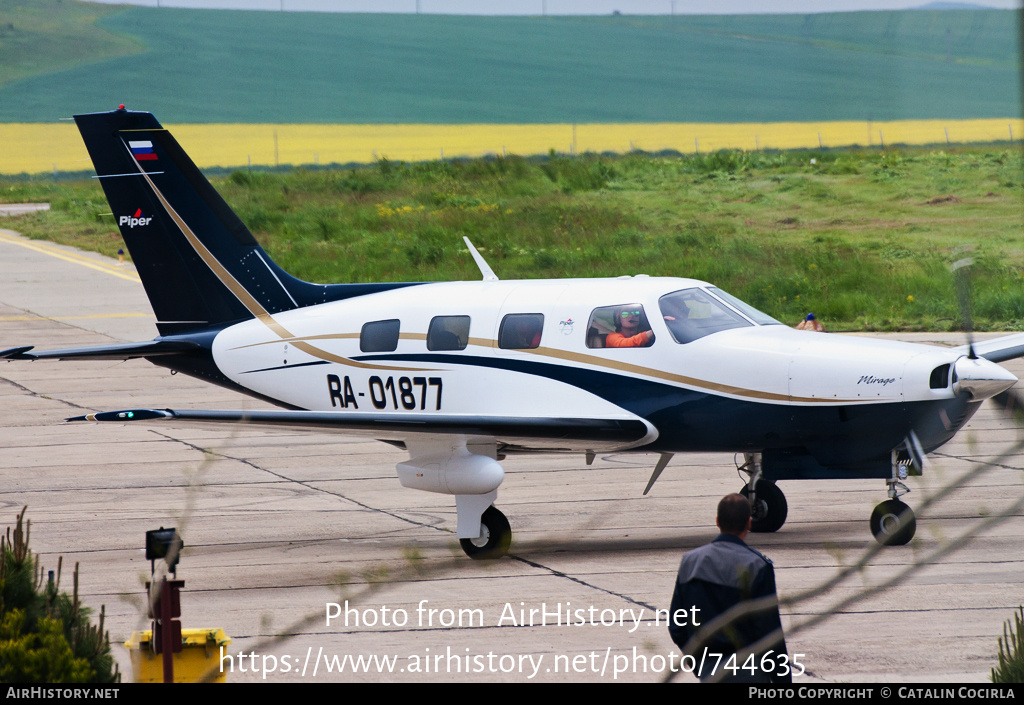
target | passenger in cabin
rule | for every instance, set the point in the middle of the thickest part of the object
(676, 314)
(631, 329)
(521, 331)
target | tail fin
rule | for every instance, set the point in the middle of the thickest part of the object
(198, 262)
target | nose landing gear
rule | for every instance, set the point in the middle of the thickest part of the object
(892, 522)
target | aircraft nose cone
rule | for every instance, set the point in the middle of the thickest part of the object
(980, 379)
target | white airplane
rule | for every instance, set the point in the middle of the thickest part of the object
(463, 374)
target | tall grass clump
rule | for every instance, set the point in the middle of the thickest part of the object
(1011, 651)
(578, 174)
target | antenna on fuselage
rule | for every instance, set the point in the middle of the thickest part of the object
(485, 269)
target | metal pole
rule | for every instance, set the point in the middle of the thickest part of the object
(167, 640)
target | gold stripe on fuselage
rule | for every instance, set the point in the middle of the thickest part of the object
(587, 359)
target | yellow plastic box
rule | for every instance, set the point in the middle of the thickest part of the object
(199, 655)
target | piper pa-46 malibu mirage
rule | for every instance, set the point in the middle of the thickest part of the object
(463, 374)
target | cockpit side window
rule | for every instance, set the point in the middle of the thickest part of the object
(623, 326)
(691, 314)
(448, 333)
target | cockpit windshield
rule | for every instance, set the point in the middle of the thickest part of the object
(691, 314)
(746, 309)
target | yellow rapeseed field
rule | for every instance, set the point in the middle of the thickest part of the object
(36, 148)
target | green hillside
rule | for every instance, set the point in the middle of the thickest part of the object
(38, 37)
(233, 66)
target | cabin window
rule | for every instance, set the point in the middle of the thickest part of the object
(448, 333)
(379, 336)
(520, 331)
(624, 326)
(691, 314)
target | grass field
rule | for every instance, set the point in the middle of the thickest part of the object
(210, 66)
(863, 238)
(34, 148)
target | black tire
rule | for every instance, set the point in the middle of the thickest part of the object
(893, 523)
(496, 538)
(770, 510)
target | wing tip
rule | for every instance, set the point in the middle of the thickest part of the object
(17, 353)
(123, 415)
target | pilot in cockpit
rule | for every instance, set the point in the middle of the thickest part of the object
(631, 329)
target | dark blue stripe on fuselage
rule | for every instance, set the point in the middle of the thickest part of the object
(694, 421)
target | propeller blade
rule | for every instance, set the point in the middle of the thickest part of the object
(961, 269)
(916, 451)
(1011, 403)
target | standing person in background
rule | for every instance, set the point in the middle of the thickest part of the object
(714, 578)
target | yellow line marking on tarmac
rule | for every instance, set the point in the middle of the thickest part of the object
(74, 258)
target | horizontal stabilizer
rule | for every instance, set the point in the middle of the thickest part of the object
(117, 351)
(548, 433)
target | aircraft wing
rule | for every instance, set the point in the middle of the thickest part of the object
(525, 432)
(999, 349)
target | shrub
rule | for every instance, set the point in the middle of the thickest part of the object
(1011, 652)
(45, 634)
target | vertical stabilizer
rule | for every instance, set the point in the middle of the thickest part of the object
(200, 265)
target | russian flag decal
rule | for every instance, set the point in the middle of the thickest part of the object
(143, 150)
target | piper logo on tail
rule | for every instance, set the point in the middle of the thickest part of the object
(132, 220)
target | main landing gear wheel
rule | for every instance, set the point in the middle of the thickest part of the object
(495, 537)
(769, 509)
(893, 523)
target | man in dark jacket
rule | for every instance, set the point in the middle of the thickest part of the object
(716, 577)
